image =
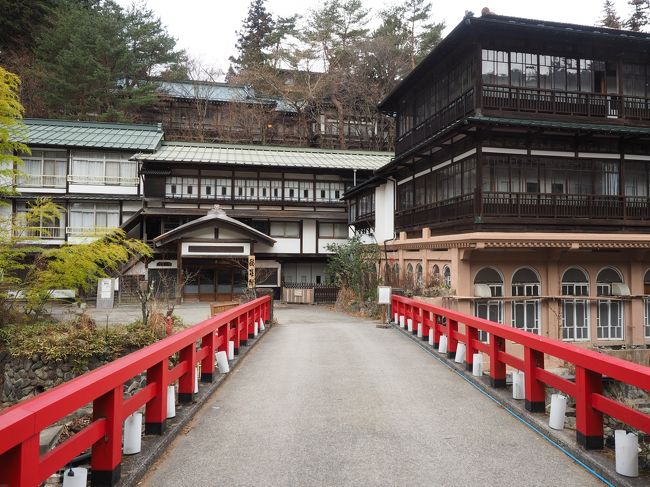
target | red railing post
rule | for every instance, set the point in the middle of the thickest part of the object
(18, 465)
(589, 421)
(249, 324)
(156, 410)
(471, 334)
(106, 454)
(497, 367)
(535, 389)
(241, 330)
(436, 330)
(207, 364)
(238, 335)
(186, 381)
(224, 336)
(452, 341)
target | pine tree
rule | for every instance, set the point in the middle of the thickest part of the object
(610, 18)
(255, 38)
(640, 13)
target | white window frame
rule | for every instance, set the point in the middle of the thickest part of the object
(646, 317)
(183, 187)
(95, 209)
(128, 170)
(575, 333)
(526, 289)
(284, 229)
(609, 330)
(329, 230)
(40, 179)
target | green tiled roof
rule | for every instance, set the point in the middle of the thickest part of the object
(180, 152)
(552, 124)
(119, 136)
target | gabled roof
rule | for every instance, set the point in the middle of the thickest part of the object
(216, 216)
(221, 93)
(95, 135)
(183, 152)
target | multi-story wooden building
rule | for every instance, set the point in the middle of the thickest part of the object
(280, 205)
(521, 177)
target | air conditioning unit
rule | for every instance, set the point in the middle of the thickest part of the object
(163, 264)
(482, 291)
(620, 289)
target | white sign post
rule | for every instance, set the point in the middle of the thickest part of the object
(105, 289)
(384, 294)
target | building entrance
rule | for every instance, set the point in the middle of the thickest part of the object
(223, 281)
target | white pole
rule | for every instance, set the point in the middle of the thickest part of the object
(477, 365)
(255, 330)
(222, 362)
(231, 350)
(396, 318)
(431, 336)
(460, 353)
(558, 411)
(409, 324)
(420, 330)
(401, 321)
(75, 477)
(196, 379)
(518, 389)
(442, 346)
(171, 401)
(262, 327)
(627, 453)
(132, 434)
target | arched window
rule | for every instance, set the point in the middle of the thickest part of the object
(490, 309)
(575, 311)
(396, 271)
(525, 309)
(387, 277)
(610, 312)
(409, 274)
(446, 273)
(646, 303)
(435, 275)
(419, 280)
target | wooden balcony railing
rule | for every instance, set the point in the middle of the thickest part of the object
(40, 181)
(437, 122)
(532, 100)
(452, 209)
(45, 233)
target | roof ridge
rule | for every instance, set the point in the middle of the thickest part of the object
(272, 148)
(84, 123)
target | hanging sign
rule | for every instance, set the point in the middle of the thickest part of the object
(251, 271)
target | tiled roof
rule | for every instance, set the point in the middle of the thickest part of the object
(179, 152)
(553, 124)
(119, 136)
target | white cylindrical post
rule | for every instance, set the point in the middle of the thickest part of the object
(627, 453)
(558, 411)
(477, 365)
(222, 362)
(231, 350)
(420, 330)
(396, 318)
(75, 477)
(409, 325)
(132, 434)
(401, 321)
(196, 379)
(518, 389)
(262, 327)
(460, 353)
(171, 401)
(431, 336)
(442, 346)
(255, 330)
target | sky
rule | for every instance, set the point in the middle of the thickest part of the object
(206, 29)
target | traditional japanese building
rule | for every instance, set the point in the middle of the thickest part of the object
(521, 178)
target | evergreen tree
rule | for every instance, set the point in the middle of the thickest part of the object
(20, 22)
(639, 17)
(610, 18)
(255, 38)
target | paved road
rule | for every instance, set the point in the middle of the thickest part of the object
(329, 400)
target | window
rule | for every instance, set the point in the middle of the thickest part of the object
(291, 190)
(46, 169)
(636, 179)
(525, 309)
(110, 168)
(37, 226)
(646, 304)
(246, 189)
(86, 217)
(446, 273)
(634, 80)
(575, 311)
(332, 230)
(181, 187)
(489, 309)
(215, 188)
(419, 278)
(495, 67)
(610, 312)
(329, 192)
(285, 229)
(409, 273)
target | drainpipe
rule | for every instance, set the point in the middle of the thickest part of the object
(354, 177)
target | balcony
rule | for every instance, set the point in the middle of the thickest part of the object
(456, 208)
(103, 180)
(577, 104)
(462, 106)
(88, 231)
(39, 233)
(40, 181)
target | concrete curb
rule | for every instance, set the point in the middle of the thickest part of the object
(594, 459)
(135, 467)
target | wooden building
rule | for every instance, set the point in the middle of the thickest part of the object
(521, 177)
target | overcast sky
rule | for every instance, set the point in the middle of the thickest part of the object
(206, 28)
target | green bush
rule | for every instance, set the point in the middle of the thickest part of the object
(57, 341)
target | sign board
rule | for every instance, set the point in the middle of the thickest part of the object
(298, 293)
(105, 288)
(384, 294)
(251, 271)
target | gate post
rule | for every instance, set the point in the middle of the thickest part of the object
(589, 422)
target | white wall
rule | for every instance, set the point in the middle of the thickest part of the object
(385, 212)
(324, 242)
(97, 189)
(309, 236)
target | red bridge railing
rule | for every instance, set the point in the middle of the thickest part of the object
(590, 366)
(20, 426)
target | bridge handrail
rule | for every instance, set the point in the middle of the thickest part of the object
(21, 424)
(590, 366)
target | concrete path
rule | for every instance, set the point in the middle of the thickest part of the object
(330, 400)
